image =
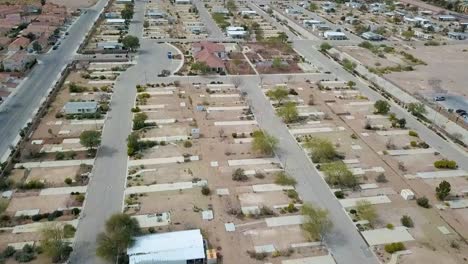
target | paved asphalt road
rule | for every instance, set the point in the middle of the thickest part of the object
(213, 30)
(344, 241)
(447, 149)
(18, 109)
(105, 192)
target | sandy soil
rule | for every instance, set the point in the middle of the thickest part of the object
(75, 4)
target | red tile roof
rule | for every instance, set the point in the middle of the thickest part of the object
(20, 42)
(207, 54)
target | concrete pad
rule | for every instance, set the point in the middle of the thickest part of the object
(444, 230)
(152, 220)
(230, 227)
(222, 191)
(405, 152)
(364, 134)
(20, 245)
(160, 187)
(37, 142)
(207, 215)
(245, 162)
(458, 204)
(376, 117)
(168, 138)
(265, 249)
(64, 132)
(271, 187)
(30, 212)
(235, 123)
(392, 132)
(368, 186)
(71, 141)
(214, 164)
(160, 92)
(156, 161)
(351, 202)
(350, 117)
(161, 121)
(226, 108)
(297, 131)
(327, 259)
(386, 236)
(53, 164)
(361, 103)
(356, 147)
(351, 161)
(250, 210)
(38, 226)
(243, 140)
(306, 244)
(150, 107)
(441, 174)
(87, 122)
(63, 190)
(285, 220)
(224, 95)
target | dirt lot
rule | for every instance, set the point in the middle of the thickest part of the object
(48, 203)
(444, 63)
(75, 4)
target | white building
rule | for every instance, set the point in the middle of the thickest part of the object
(334, 35)
(311, 22)
(115, 21)
(172, 247)
(183, 2)
(248, 13)
(236, 32)
(407, 194)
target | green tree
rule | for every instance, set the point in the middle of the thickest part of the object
(402, 122)
(283, 37)
(54, 244)
(325, 46)
(127, 12)
(336, 173)
(408, 34)
(278, 94)
(131, 43)
(277, 63)
(349, 65)
(139, 121)
(417, 109)
(90, 139)
(317, 223)
(146, 24)
(350, 84)
(322, 150)
(443, 190)
(231, 6)
(133, 143)
(200, 67)
(288, 112)
(381, 107)
(264, 142)
(36, 46)
(366, 211)
(120, 230)
(313, 7)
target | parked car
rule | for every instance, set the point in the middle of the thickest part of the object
(55, 47)
(164, 73)
(439, 98)
(460, 112)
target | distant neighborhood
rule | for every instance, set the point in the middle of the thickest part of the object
(25, 31)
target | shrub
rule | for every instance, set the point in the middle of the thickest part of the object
(59, 156)
(69, 231)
(339, 194)
(34, 184)
(259, 175)
(414, 144)
(291, 208)
(266, 211)
(423, 202)
(283, 179)
(205, 190)
(292, 194)
(381, 178)
(8, 251)
(68, 181)
(75, 211)
(80, 198)
(445, 164)
(407, 221)
(151, 230)
(390, 226)
(187, 144)
(394, 247)
(413, 133)
(239, 175)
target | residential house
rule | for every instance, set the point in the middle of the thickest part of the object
(183, 2)
(155, 14)
(421, 35)
(115, 21)
(311, 22)
(18, 61)
(42, 41)
(351, 20)
(186, 246)
(4, 42)
(212, 54)
(328, 6)
(447, 18)
(19, 44)
(109, 45)
(372, 36)
(334, 35)
(194, 27)
(236, 32)
(248, 13)
(457, 35)
(74, 108)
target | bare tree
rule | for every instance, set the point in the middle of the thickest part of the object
(237, 81)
